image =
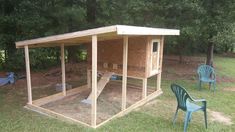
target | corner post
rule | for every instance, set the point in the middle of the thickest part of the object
(94, 81)
(144, 92)
(124, 72)
(27, 63)
(159, 75)
(63, 69)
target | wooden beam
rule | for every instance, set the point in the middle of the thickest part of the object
(54, 114)
(132, 107)
(159, 76)
(27, 63)
(144, 92)
(58, 96)
(161, 52)
(147, 57)
(67, 36)
(69, 119)
(124, 72)
(94, 81)
(63, 69)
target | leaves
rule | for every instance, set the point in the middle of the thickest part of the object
(200, 22)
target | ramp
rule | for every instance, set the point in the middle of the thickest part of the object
(100, 86)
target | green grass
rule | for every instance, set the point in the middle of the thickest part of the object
(155, 116)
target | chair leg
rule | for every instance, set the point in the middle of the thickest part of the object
(186, 121)
(214, 86)
(190, 117)
(176, 112)
(205, 117)
(200, 84)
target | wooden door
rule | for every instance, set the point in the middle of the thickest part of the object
(155, 50)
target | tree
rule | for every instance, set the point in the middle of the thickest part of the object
(217, 18)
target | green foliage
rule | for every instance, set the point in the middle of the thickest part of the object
(200, 23)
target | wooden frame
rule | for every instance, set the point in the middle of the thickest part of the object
(91, 35)
(106, 32)
(28, 76)
(36, 106)
(94, 81)
(153, 72)
(124, 74)
(63, 70)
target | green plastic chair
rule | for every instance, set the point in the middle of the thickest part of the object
(206, 74)
(185, 103)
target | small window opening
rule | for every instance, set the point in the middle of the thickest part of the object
(155, 46)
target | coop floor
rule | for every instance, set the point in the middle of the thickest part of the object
(108, 103)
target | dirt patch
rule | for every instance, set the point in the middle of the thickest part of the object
(173, 70)
(187, 70)
(220, 117)
(229, 89)
(225, 79)
(108, 103)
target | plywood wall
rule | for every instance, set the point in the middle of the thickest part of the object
(111, 53)
(139, 56)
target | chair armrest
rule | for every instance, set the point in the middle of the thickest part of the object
(199, 100)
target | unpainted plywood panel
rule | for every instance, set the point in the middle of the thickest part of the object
(110, 53)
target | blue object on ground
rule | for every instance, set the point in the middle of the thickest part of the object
(187, 104)
(114, 77)
(8, 80)
(206, 74)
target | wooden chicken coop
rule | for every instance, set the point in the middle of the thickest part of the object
(126, 51)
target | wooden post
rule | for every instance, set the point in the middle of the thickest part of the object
(27, 63)
(161, 52)
(94, 81)
(144, 92)
(63, 69)
(124, 72)
(159, 75)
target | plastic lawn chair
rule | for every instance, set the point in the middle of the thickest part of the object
(187, 104)
(206, 74)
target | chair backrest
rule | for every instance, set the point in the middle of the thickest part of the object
(205, 71)
(181, 95)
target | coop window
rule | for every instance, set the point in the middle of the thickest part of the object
(155, 46)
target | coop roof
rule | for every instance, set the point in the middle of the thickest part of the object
(103, 33)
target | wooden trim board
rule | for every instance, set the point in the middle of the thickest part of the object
(132, 107)
(62, 117)
(63, 69)
(94, 81)
(124, 71)
(116, 29)
(54, 97)
(28, 76)
(53, 114)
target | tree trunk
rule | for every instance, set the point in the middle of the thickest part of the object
(72, 51)
(91, 11)
(210, 51)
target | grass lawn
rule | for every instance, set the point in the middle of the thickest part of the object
(154, 116)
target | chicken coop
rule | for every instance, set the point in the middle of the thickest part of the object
(130, 52)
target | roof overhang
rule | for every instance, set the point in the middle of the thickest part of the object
(103, 33)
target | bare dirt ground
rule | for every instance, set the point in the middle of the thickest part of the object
(109, 102)
(187, 70)
(220, 117)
